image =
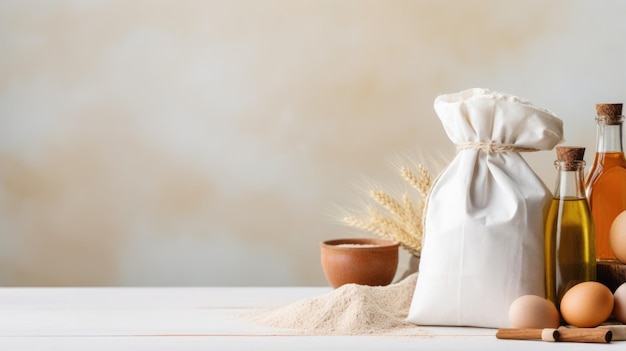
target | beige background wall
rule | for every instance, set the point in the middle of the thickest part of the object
(209, 142)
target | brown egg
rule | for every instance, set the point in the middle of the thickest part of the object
(531, 311)
(587, 304)
(617, 237)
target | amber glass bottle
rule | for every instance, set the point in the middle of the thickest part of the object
(569, 231)
(606, 181)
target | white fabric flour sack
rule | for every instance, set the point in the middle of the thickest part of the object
(484, 221)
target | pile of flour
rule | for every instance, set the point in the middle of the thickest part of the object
(348, 310)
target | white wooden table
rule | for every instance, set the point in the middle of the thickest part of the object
(203, 319)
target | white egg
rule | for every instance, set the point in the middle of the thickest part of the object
(617, 237)
(531, 311)
(619, 307)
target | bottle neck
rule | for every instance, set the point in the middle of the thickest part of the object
(569, 182)
(609, 138)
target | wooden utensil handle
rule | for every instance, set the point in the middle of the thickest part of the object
(594, 335)
(547, 334)
(619, 331)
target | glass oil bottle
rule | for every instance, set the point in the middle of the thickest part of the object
(570, 255)
(606, 180)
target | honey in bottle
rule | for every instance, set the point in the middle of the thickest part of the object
(570, 256)
(606, 181)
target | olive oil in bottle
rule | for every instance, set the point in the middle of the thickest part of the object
(570, 255)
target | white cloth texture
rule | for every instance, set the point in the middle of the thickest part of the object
(484, 220)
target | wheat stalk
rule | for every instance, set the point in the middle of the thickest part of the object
(403, 221)
(413, 224)
(395, 231)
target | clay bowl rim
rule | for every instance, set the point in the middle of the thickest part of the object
(379, 244)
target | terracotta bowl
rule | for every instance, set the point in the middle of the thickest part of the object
(361, 261)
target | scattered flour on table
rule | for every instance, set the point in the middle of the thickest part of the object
(348, 310)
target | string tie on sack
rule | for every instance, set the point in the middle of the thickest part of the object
(490, 147)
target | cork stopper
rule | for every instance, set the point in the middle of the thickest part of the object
(609, 113)
(570, 156)
(570, 153)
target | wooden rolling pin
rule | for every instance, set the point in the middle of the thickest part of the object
(591, 335)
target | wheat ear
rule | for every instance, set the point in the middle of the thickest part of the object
(355, 222)
(389, 203)
(421, 183)
(392, 230)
